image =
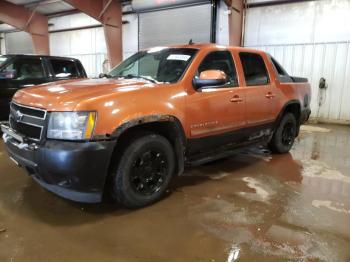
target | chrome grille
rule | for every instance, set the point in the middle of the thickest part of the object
(27, 121)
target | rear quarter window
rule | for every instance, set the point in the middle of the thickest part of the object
(283, 76)
(64, 68)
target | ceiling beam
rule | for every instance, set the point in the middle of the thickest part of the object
(109, 14)
(279, 2)
(228, 2)
(40, 2)
(29, 21)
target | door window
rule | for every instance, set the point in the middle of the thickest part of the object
(64, 68)
(220, 60)
(254, 68)
(25, 68)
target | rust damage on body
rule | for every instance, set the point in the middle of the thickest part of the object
(142, 120)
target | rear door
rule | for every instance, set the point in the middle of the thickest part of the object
(216, 114)
(260, 92)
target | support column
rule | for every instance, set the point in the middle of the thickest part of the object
(109, 14)
(29, 21)
(235, 21)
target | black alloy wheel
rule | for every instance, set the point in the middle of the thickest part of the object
(148, 172)
(284, 135)
(144, 170)
(288, 133)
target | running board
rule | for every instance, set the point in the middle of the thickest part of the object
(203, 158)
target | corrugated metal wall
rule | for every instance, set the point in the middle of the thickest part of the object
(328, 60)
(171, 26)
(18, 43)
(310, 39)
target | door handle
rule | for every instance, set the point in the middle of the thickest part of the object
(236, 99)
(270, 95)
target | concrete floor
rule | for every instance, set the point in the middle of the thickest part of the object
(250, 207)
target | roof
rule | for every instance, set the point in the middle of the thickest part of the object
(40, 56)
(209, 45)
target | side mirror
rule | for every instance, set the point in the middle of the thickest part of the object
(210, 78)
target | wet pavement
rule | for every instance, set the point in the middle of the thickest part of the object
(250, 207)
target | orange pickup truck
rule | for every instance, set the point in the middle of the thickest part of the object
(157, 112)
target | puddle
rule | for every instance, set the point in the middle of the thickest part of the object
(261, 194)
(312, 129)
(275, 216)
(337, 207)
(219, 176)
(319, 169)
(233, 254)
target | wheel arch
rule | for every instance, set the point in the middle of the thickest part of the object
(166, 125)
(294, 107)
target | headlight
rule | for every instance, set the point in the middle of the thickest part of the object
(71, 125)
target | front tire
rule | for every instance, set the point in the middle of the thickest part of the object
(144, 171)
(284, 136)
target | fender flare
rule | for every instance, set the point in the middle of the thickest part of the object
(283, 110)
(180, 140)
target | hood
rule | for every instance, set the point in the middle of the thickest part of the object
(66, 95)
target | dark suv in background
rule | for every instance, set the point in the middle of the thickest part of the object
(20, 71)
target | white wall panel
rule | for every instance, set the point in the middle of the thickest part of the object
(222, 32)
(130, 35)
(308, 22)
(69, 21)
(19, 43)
(310, 39)
(87, 45)
(332, 21)
(2, 44)
(282, 24)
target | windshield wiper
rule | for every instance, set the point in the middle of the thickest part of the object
(139, 76)
(102, 75)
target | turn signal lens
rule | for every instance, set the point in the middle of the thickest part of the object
(90, 125)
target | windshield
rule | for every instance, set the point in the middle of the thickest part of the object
(3, 59)
(156, 65)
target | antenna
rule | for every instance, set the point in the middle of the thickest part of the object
(190, 42)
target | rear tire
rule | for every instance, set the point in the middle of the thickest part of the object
(144, 171)
(284, 136)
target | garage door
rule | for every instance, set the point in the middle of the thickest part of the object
(175, 26)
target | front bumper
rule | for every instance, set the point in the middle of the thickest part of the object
(73, 170)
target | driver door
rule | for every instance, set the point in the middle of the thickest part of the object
(216, 114)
